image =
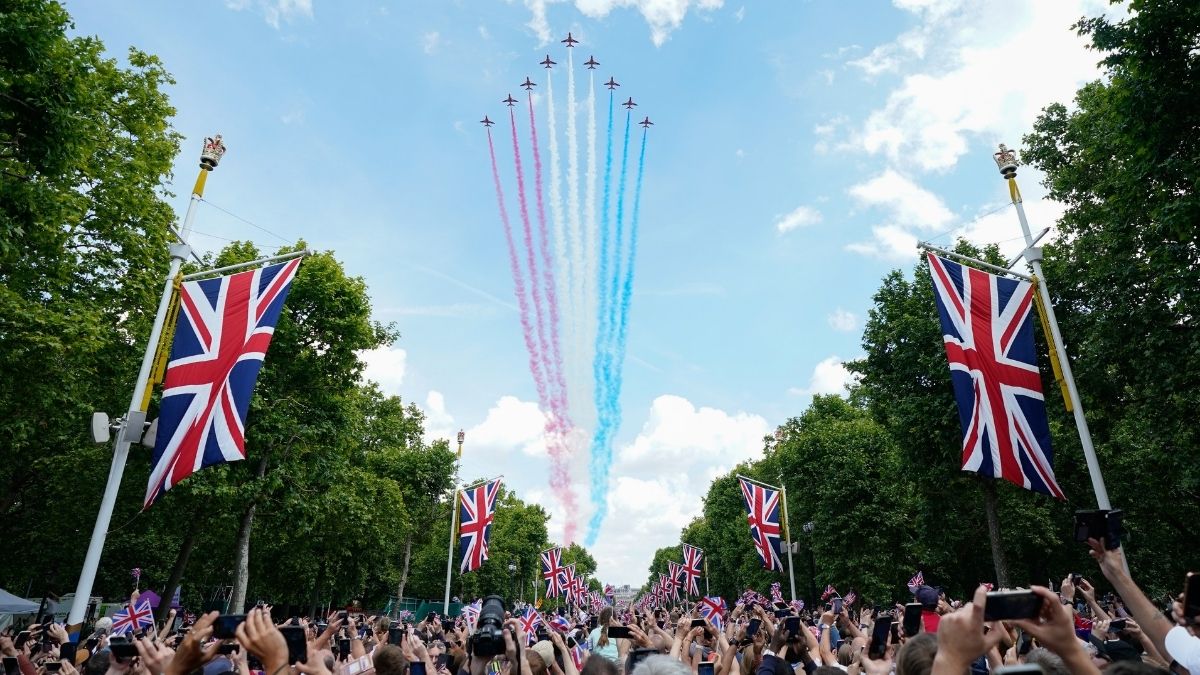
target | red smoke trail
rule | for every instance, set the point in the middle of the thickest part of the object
(558, 425)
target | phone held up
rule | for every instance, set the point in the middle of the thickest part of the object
(225, 627)
(1017, 604)
(1191, 597)
(912, 619)
(297, 643)
(706, 668)
(879, 637)
(1101, 525)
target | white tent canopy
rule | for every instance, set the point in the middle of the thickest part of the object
(11, 604)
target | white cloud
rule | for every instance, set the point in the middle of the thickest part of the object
(660, 478)
(484, 33)
(663, 16)
(828, 377)
(801, 216)
(438, 422)
(430, 41)
(966, 80)
(275, 11)
(386, 366)
(910, 209)
(842, 320)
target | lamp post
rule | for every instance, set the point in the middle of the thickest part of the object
(512, 574)
(462, 436)
(812, 562)
(132, 428)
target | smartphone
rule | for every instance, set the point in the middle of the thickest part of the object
(343, 615)
(618, 632)
(912, 619)
(1117, 625)
(699, 623)
(571, 642)
(1191, 596)
(443, 661)
(792, 624)
(837, 605)
(396, 636)
(879, 637)
(706, 668)
(752, 629)
(297, 643)
(1076, 578)
(447, 625)
(225, 627)
(66, 652)
(343, 648)
(637, 656)
(121, 647)
(92, 643)
(416, 668)
(12, 666)
(52, 666)
(21, 639)
(1102, 525)
(1005, 605)
(1019, 669)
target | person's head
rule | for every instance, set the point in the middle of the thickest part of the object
(389, 660)
(928, 596)
(1051, 663)
(917, 654)
(605, 618)
(598, 665)
(97, 664)
(537, 665)
(663, 665)
(104, 625)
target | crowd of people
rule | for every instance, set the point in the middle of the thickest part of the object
(1065, 632)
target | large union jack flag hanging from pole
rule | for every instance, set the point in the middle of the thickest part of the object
(476, 510)
(692, 557)
(552, 571)
(762, 512)
(988, 332)
(225, 325)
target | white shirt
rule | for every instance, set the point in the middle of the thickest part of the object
(1184, 648)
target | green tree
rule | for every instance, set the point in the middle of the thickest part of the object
(1125, 275)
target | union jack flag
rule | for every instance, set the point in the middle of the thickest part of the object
(578, 656)
(476, 511)
(132, 618)
(675, 576)
(221, 338)
(692, 557)
(776, 592)
(666, 585)
(560, 623)
(713, 609)
(762, 509)
(830, 592)
(470, 613)
(610, 594)
(531, 620)
(850, 598)
(552, 571)
(917, 581)
(988, 334)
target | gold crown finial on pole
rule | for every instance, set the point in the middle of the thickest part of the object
(211, 155)
(1006, 161)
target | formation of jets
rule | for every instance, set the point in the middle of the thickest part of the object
(591, 63)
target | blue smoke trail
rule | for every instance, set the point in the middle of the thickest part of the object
(627, 285)
(608, 380)
(602, 276)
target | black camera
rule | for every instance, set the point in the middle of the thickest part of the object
(488, 639)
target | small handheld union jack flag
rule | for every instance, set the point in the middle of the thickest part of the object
(776, 592)
(224, 328)
(850, 598)
(476, 511)
(131, 618)
(713, 609)
(531, 620)
(988, 333)
(830, 592)
(917, 581)
(762, 512)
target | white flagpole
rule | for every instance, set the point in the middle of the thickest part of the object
(787, 535)
(453, 522)
(133, 426)
(1006, 160)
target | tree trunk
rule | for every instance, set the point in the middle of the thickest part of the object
(992, 509)
(241, 564)
(181, 561)
(404, 571)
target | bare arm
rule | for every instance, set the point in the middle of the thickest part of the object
(1151, 621)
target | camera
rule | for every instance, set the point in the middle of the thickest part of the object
(488, 639)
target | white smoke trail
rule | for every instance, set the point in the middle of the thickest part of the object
(590, 300)
(562, 271)
(575, 237)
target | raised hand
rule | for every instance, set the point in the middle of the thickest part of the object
(262, 638)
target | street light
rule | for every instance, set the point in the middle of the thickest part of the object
(812, 563)
(512, 574)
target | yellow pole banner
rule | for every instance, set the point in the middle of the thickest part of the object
(163, 351)
(1055, 365)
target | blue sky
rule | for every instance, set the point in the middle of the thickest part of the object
(800, 150)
